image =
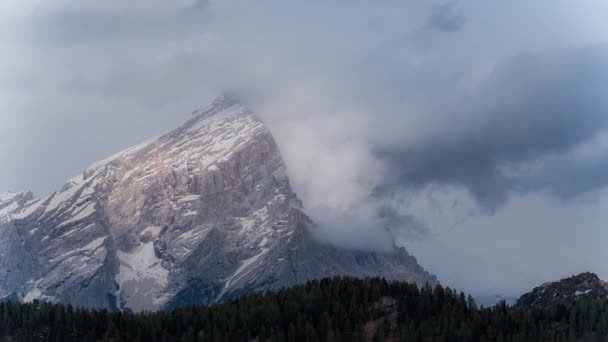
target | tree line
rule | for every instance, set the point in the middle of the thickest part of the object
(338, 309)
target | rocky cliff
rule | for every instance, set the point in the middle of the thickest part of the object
(578, 287)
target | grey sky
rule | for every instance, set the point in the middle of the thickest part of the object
(476, 132)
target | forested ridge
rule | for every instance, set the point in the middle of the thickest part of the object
(338, 309)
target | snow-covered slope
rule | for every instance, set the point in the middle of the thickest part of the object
(12, 202)
(199, 215)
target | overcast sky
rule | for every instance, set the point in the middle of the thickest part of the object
(475, 132)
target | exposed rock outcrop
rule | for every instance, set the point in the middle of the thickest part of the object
(568, 290)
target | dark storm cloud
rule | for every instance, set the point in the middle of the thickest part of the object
(530, 108)
(447, 17)
(401, 225)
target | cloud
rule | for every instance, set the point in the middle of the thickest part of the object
(402, 225)
(447, 17)
(530, 108)
(534, 238)
(77, 22)
(114, 6)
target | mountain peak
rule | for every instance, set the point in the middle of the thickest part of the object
(582, 286)
(199, 215)
(9, 196)
(223, 108)
(226, 99)
(223, 101)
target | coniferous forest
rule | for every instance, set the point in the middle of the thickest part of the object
(339, 309)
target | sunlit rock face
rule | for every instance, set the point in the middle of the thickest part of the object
(200, 215)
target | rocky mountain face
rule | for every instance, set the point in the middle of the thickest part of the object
(12, 202)
(200, 215)
(582, 286)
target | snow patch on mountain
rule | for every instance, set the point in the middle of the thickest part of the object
(246, 267)
(141, 277)
(80, 214)
(29, 208)
(34, 294)
(11, 203)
